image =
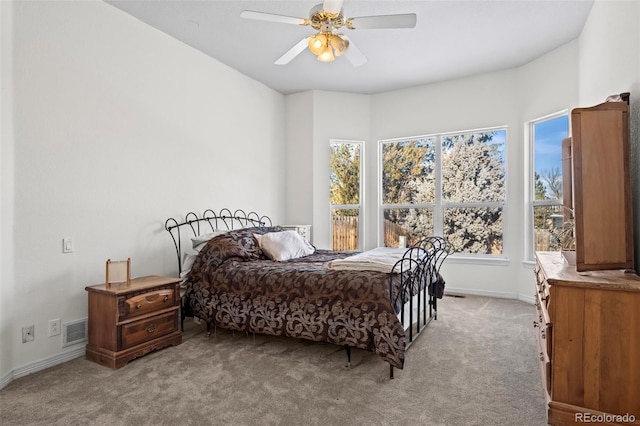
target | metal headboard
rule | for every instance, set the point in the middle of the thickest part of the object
(210, 221)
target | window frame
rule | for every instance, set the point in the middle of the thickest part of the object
(438, 206)
(532, 203)
(360, 206)
(436, 213)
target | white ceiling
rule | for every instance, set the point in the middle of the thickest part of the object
(452, 39)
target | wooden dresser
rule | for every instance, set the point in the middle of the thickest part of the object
(601, 175)
(126, 322)
(589, 337)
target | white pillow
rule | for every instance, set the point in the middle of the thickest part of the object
(284, 245)
(199, 241)
(187, 262)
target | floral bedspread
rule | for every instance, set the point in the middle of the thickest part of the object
(234, 286)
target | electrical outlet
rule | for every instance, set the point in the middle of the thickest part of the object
(54, 327)
(28, 334)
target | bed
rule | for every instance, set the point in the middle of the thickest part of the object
(242, 273)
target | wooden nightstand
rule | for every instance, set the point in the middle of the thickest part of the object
(127, 322)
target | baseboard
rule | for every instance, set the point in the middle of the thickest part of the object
(499, 294)
(526, 298)
(40, 365)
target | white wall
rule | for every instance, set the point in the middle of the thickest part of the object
(299, 159)
(547, 85)
(313, 118)
(114, 127)
(6, 183)
(583, 72)
(610, 64)
(510, 98)
(342, 116)
(85, 86)
(482, 101)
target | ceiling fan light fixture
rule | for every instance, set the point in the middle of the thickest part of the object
(338, 44)
(317, 44)
(327, 18)
(323, 44)
(327, 54)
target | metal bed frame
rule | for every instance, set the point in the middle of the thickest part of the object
(419, 269)
(236, 220)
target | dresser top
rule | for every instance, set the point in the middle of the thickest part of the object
(137, 284)
(558, 272)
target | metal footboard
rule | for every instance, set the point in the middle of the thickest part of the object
(415, 281)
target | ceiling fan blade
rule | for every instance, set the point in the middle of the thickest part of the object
(353, 54)
(293, 52)
(271, 17)
(404, 20)
(332, 6)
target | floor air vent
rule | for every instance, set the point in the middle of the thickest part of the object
(74, 332)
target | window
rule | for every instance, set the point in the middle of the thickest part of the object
(546, 193)
(408, 189)
(449, 184)
(345, 194)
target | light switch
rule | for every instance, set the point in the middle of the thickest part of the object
(67, 245)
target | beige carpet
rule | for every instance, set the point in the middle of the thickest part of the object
(476, 365)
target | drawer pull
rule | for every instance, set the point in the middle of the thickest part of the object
(541, 357)
(150, 298)
(535, 324)
(138, 306)
(151, 328)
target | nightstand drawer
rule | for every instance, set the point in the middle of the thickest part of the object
(148, 302)
(147, 329)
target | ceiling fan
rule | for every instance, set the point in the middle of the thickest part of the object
(327, 18)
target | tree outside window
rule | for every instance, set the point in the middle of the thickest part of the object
(345, 188)
(408, 189)
(473, 191)
(546, 206)
(449, 184)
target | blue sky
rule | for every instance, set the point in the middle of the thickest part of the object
(548, 144)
